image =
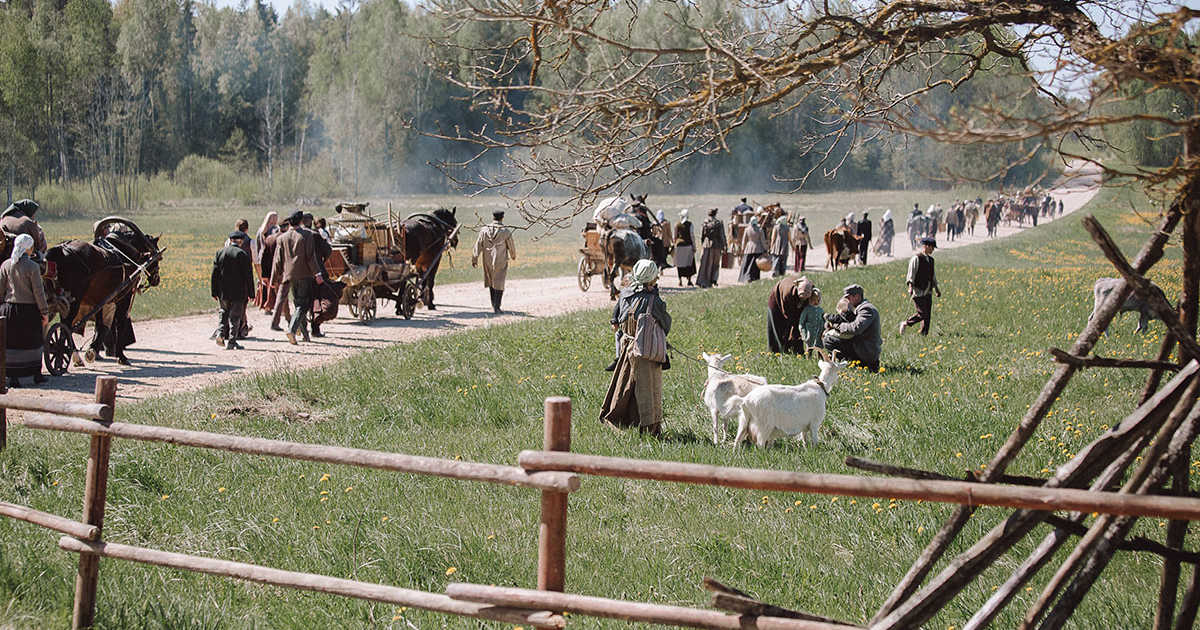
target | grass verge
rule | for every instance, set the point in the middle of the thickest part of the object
(944, 402)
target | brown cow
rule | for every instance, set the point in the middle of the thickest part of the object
(842, 246)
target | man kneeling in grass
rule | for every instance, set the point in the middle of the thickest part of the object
(855, 335)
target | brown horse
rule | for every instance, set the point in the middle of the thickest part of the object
(96, 279)
(426, 237)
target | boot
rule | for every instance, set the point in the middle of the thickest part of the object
(496, 302)
(316, 330)
(611, 366)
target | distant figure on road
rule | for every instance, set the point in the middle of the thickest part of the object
(801, 241)
(742, 208)
(780, 244)
(232, 287)
(922, 284)
(713, 244)
(296, 263)
(685, 249)
(887, 233)
(863, 231)
(754, 244)
(495, 244)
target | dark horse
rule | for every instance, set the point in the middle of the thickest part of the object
(426, 237)
(93, 276)
(622, 248)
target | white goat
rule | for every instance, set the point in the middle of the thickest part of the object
(773, 411)
(721, 386)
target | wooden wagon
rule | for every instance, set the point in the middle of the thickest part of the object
(591, 257)
(368, 257)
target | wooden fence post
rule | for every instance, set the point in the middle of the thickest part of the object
(94, 494)
(552, 529)
(3, 380)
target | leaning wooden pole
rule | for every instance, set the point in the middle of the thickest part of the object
(552, 528)
(1151, 253)
(3, 380)
(95, 491)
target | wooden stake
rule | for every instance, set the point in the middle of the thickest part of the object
(961, 571)
(311, 582)
(94, 494)
(1168, 588)
(1151, 253)
(1172, 442)
(552, 527)
(1191, 600)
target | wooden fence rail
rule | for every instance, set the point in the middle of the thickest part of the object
(960, 492)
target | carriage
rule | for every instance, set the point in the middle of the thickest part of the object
(591, 258)
(368, 257)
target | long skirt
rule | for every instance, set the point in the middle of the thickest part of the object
(710, 267)
(24, 342)
(685, 260)
(634, 397)
(750, 270)
(779, 264)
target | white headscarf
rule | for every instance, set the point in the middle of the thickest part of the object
(644, 272)
(21, 245)
(661, 216)
(850, 218)
(887, 216)
(683, 214)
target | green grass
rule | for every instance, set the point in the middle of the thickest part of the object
(944, 402)
(193, 231)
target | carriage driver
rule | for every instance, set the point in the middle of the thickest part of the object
(18, 219)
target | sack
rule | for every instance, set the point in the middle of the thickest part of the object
(649, 341)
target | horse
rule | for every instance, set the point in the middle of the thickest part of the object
(91, 276)
(425, 237)
(841, 245)
(622, 248)
(640, 210)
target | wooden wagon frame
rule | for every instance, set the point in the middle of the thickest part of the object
(368, 256)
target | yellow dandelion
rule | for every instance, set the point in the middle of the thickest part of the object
(324, 477)
(221, 489)
(451, 570)
(349, 488)
(164, 497)
(383, 520)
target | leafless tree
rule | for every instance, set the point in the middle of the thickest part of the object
(584, 97)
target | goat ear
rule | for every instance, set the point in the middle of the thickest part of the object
(726, 357)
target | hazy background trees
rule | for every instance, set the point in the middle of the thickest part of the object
(364, 99)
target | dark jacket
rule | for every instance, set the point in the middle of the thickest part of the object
(232, 279)
(863, 330)
(864, 229)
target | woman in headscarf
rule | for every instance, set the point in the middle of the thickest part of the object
(754, 244)
(657, 241)
(800, 243)
(779, 247)
(712, 242)
(887, 232)
(25, 309)
(262, 253)
(634, 397)
(685, 249)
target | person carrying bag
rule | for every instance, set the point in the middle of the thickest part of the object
(634, 397)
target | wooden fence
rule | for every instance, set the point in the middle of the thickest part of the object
(554, 471)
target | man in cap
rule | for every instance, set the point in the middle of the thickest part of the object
(232, 286)
(495, 244)
(18, 219)
(855, 338)
(922, 284)
(296, 263)
(742, 208)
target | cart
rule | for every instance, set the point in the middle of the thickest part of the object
(368, 257)
(591, 258)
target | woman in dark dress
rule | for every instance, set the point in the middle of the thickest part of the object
(685, 249)
(25, 310)
(754, 244)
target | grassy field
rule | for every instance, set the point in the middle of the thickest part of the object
(944, 402)
(193, 232)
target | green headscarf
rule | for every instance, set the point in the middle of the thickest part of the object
(644, 272)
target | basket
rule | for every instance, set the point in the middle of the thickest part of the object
(763, 262)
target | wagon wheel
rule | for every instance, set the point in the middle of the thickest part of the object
(585, 273)
(57, 349)
(408, 298)
(365, 304)
(352, 303)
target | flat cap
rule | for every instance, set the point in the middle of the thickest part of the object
(853, 289)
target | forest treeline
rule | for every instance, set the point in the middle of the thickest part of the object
(244, 103)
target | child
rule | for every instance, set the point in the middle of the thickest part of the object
(812, 322)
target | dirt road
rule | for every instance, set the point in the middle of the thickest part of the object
(174, 355)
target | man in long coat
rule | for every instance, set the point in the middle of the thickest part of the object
(495, 244)
(296, 263)
(232, 287)
(18, 219)
(863, 231)
(712, 245)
